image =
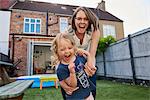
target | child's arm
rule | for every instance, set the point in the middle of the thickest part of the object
(67, 83)
(71, 80)
(69, 90)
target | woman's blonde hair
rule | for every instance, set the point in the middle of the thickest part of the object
(57, 40)
(93, 20)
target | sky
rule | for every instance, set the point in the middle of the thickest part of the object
(134, 13)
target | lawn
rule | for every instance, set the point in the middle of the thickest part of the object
(106, 90)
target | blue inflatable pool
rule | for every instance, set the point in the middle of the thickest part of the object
(36, 78)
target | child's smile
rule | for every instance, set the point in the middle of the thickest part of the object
(66, 51)
(67, 56)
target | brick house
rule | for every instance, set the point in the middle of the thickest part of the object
(34, 25)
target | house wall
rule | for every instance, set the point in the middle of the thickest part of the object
(118, 28)
(53, 23)
(21, 42)
(17, 20)
(21, 51)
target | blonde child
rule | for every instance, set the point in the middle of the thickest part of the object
(71, 67)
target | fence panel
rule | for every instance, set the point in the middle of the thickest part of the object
(100, 64)
(118, 58)
(141, 54)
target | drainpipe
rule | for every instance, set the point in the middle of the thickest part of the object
(47, 23)
(13, 47)
(132, 59)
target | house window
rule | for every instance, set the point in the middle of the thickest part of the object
(109, 30)
(32, 25)
(63, 24)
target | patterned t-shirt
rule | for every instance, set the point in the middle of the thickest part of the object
(82, 79)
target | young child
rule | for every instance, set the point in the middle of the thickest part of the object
(71, 67)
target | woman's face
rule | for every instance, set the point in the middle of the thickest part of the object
(81, 22)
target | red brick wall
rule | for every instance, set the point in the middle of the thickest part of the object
(17, 20)
(16, 26)
(20, 52)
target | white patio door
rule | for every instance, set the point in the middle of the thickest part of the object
(30, 58)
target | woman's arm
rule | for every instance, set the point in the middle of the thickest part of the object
(92, 51)
(94, 44)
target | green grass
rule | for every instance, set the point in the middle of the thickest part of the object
(106, 90)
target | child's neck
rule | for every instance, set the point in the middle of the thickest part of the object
(71, 60)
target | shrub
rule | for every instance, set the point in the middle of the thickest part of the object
(104, 43)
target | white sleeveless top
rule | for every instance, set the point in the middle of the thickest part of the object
(86, 40)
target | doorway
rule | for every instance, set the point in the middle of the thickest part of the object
(40, 58)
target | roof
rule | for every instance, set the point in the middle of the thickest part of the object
(61, 9)
(5, 4)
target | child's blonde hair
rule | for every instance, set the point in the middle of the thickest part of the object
(56, 41)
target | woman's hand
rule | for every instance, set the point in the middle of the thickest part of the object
(90, 70)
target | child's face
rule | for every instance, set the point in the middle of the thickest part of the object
(65, 50)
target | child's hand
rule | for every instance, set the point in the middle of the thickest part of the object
(68, 89)
(82, 52)
(71, 90)
(71, 68)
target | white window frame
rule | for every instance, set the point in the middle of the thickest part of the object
(63, 20)
(30, 25)
(109, 30)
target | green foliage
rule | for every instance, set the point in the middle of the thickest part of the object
(104, 43)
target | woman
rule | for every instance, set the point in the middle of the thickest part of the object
(85, 31)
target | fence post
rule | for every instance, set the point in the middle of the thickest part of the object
(132, 59)
(104, 64)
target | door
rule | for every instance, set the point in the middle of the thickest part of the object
(30, 58)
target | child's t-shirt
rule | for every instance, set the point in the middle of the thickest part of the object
(82, 78)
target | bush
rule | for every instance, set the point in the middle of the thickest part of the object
(104, 43)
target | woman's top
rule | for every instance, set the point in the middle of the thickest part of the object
(86, 40)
